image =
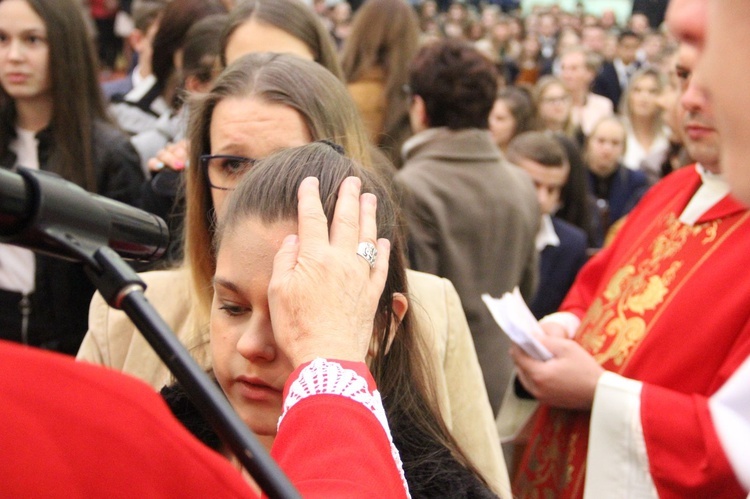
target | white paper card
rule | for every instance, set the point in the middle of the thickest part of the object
(514, 317)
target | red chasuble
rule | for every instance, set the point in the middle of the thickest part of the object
(669, 305)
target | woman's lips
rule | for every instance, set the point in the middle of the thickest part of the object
(16, 78)
(257, 389)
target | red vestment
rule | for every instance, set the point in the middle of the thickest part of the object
(71, 429)
(666, 304)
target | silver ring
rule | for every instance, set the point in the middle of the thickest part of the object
(369, 252)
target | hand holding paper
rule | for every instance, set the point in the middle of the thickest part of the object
(514, 317)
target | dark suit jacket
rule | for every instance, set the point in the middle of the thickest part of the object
(625, 190)
(607, 84)
(558, 267)
(118, 87)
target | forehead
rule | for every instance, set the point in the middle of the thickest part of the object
(609, 130)
(501, 107)
(573, 59)
(252, 127)
(554, 88)
(254, 36)
(630, 41)
(548, 176)
(646, 80)
(18, 14)
(247, 250)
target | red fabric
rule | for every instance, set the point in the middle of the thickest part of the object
(357, 460)
(686, 457)
(103, 9)
(77, 430)
(660, 305)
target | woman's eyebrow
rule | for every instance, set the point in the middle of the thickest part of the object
(226, 284)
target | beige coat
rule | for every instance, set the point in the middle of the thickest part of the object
(473, 219)
(112, 340)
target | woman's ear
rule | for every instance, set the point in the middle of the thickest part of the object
(418, 114)
(400, 305)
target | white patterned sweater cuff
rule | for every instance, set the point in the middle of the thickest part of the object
(324, 377)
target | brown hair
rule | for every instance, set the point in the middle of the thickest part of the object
(401, 370)
(77, 101)
(177, 18)
(385, 35)
(305, 86)
(457, 83)
(293, 17)
(539, 147)
(520, 106)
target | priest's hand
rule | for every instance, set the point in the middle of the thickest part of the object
(323, 296)
(568, 380)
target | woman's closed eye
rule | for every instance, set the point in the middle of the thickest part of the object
(233, 309)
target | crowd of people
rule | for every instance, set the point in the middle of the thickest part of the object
(342, 183)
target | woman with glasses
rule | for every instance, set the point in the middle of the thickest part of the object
(553, 106)
(262, 104)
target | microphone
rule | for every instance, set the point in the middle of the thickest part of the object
(43, 212)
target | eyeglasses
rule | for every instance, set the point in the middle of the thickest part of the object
(224, 171)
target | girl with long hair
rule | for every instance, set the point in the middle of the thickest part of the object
(52, 118)
(375, 59)
(246, 361)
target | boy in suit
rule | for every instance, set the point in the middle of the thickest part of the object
(561, 245)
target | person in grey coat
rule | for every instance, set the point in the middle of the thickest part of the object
(472, 217)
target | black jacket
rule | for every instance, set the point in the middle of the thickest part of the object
(58, 308)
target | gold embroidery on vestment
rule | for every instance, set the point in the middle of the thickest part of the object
(638, 288)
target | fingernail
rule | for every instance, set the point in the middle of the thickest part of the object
(370, 198)
(178, 165)
(158, 166)
(291, 240)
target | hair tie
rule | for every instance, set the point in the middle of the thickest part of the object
(336, 147)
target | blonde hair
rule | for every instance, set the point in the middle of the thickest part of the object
(537, 95)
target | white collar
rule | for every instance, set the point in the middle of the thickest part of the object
(546, 235)
(713, 189)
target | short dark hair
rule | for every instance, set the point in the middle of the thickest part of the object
(457, 83)
(539, 147)
(628, 34)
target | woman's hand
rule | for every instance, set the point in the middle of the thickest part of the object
(174, 156)
(322, 295)
(568, 380)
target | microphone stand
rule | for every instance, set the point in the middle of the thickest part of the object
(123, 289)
(52, 224)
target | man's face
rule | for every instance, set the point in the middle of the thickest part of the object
(574, 73)
(627, 48)
(593, 38)
(548, 180)
(718, 31)
(698, 126)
